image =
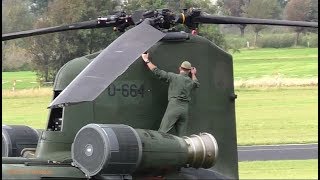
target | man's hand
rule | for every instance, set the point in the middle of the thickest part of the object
(194, 77)
(145, 57)
(193, 70)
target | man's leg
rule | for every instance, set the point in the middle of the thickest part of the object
(181, 124)
(170, 117)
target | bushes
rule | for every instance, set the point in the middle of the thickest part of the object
(15, 58)
(311, 38)
(287, 40)
(21, 67)
(276, 41)
(236, 43)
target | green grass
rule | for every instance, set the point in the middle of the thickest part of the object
(277, 115)
(30, 111)
(291, 169)
(24, 80)
(270, 62)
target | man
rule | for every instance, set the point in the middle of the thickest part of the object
(180, 87)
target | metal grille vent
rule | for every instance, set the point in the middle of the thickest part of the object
(106, 149)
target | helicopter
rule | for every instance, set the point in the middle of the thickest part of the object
(106, 107)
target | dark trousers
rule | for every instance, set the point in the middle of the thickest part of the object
(175, 118)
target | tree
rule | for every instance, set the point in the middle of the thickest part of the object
(38, 7)
(52, 51)
(235, 8)
(313, 15)
(297, 10)
(15, 17)
(205, 5)
(265, 9)
(283, 3)
(132, 5)
(44, 55)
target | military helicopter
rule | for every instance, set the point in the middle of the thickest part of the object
(107, 106)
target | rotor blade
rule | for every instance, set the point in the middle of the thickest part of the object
(210, 19)
(81, 25)
(108, 65)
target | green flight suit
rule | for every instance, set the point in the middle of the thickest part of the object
(179, 91)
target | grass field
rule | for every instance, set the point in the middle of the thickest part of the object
(291, 169)
(277, 115)
(27, 108)
(302, 63)
(24, 80)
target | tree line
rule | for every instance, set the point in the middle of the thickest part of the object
(295, 10)
(46, 54)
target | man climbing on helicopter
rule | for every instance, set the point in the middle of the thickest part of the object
(179, 95)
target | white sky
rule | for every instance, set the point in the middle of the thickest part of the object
(213, 1)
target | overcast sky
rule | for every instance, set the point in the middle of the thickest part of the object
(213, 1)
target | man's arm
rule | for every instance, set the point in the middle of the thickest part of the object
(158, 72)
(145, 58)
(194, 77)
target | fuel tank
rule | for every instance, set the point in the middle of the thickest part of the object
(120, 149)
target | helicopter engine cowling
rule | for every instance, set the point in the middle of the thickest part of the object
(106, 149)
(18, 140)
